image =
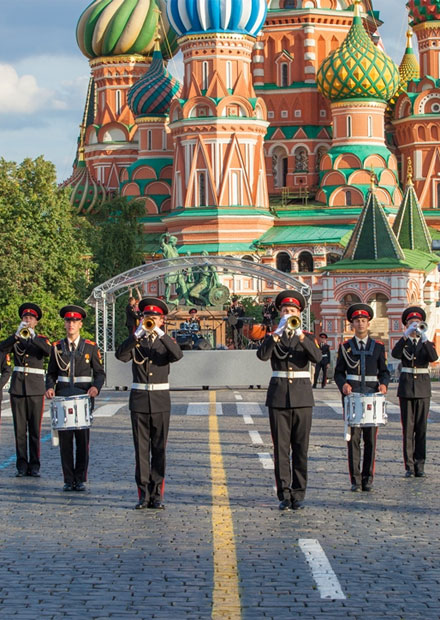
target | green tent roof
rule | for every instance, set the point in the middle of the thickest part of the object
(409, 226)
(291, 235)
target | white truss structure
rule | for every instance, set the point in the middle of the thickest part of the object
(103, 297)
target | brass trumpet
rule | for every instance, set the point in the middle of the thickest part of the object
(421, 328)
(148, 324)
(293, 322)
(24, 333)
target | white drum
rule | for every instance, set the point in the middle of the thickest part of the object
(365, 409)
(71, 412)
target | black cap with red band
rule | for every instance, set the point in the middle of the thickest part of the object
(359, 311)
(73, 313)
(413, 313)
(153, 306)
(30, 310)
(290, 298)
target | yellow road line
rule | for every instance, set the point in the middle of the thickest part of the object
(226, 596)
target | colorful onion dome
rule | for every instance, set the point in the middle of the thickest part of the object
(203, 16)
(87, 196)
(409, 68)
(115, 27)
(358, 69)
(423, 11)
(153, 93)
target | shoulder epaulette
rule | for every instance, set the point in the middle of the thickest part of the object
(57, 343)
(378, 341)
(345, 341)
(90, 342)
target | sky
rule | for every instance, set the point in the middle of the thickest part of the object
(44, 76)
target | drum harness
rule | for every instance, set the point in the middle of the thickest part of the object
(354, 365)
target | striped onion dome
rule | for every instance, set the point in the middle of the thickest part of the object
(117, 27)
(87, 196)
(358, 69)
(153, 93)
(203, 16)
(423, 10)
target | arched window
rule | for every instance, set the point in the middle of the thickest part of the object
(248, 258)
(305, 262)
(332, 258)
(370, 126)
(229, 75)
(205, 69)
(379, 304)
(349, 126)
(284, 263)
(348, 198)
(202, 189)
(149, 140)
(284, 74)
(118, 102)
(350, 299)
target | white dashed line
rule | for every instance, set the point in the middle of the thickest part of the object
(266, 460)
(238, 396)
(249, 409)
(256, 438)
(326, 580)
(247, 419)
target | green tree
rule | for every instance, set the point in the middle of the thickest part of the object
(45, 257)
(117, 247)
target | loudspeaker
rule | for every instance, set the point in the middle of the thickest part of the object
(202, 345)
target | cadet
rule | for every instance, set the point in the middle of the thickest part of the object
(323, 364)
(75, 367)
(415, 352)
(290, 398)
(352, 374)
(151, 352)
(27, 387)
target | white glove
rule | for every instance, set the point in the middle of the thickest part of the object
(410, 331)
(139, 332)
(20, 327)
(159, 331)
(281, 326)
(424, 337)
(32, 332)
(298, 331)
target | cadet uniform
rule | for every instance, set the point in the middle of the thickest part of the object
(27, 391)
(151, 354)
(5, 373)
(270, 314)
(71, 371)
(414, 393)
(323, 364)
(348, 369)
(290, 401)
(235, 313)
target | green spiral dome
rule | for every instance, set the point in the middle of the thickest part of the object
(117, 27)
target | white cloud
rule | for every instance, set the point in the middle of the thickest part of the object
(20, 94)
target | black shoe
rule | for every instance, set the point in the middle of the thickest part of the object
(356, 488)
(408, 474)
(285, 504)
(156, 504)
(34, 473)
(419, 474)
(367, 487)
(142, 503)
(20, 473)
(67, 487)
(80, 486)
(297, 505)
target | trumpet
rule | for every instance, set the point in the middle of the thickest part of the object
(148, 324)
(421, 328)
(293, 322)
(24, 333)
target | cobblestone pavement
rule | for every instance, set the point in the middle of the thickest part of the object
(92, 556)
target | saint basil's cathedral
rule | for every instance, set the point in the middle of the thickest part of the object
(294, 141)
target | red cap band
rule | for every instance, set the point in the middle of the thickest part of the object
(291, 301)
(357, 313)
(416, 315)
(29, 311)
(148, 309)
(72, 315)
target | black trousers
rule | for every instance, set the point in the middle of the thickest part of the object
(290, 430)
(27, 413)
(150, 433)
(414, 416)
(318, 367)
(74, 469)
(369, 435)
(237, 336)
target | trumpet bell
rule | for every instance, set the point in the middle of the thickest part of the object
(24, 333)
(148, 324)
(293, 322)
(422, 327)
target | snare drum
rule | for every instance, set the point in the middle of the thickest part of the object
(71, 412)
(365, 409)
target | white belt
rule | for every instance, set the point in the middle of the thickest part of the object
(291, 374)
(75, 379)
(32, 371)
(150, 387)
(416, 371)
(359, 378)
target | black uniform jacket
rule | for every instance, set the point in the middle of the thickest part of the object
(27, 354)
(5, 369)
(414, 385)
(290, 354)
(238, 312)
(151, 364)
(348, 363)
(325, 350)
(132, 316)
(86, 362)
